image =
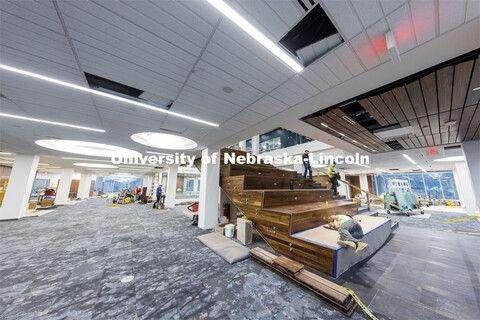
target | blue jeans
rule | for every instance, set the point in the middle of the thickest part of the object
(334, 184)
(350, 231)
(307, 167)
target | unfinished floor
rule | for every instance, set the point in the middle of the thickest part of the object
(68, 264)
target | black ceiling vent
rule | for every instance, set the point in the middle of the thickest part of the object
(395, 145)
(396, 169)
(96, 82)
(358, 114)
(452, 147)
(313, 27)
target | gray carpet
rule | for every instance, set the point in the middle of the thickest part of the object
(68, 264)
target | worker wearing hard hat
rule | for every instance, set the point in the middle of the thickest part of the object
(306, 164)
(332, 175)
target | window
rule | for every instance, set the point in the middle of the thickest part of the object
(439, 185)
(36, 186)
(279, 139)
(116, 184)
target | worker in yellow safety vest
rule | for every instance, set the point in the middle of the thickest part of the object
(350, 233)
(332, 175)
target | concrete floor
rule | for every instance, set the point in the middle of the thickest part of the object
(68, 264)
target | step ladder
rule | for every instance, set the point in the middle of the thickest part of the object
(155, 183)
(121, 197)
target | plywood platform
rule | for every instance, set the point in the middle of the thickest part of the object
(376, 231)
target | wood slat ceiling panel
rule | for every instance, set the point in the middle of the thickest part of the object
(425, 125)
(401, 95)
(429, 139)
(383, 109)
(452, 137)
(416, 97)
(434, 124)
(392, 104)
(470, 133)
(455, 115)
(429, 88)
(353, 127)
(445, 81)
(444, 136)
(474, 96)
(463, 71)
(367, 105)
(437, 139)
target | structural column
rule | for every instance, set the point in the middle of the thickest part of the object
(84, 185)
(256, 144)
(471, 150)
(171, 190)
(209, 190)
(343, 187)
(63, 189)
(19, 188)
(363, 183)
(147, 182)
(466, 187)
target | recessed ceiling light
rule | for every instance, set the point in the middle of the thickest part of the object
(103, 94)
(164, 141)
(255, 34)
(160, 153)
(451, 159)
(450, 123)
(365, 146)
(409, 159)
(361, 165)
(95, 165)
(227, 89)
(475, 89)
(6, 153)
(384, 171)
(342, 134)
(355, 141)
(49, 122)
(323, 124)
(68, 158)
(87, 148)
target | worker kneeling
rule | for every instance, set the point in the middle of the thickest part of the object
(350, 233)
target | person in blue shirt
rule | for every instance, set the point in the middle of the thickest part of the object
(159, 193)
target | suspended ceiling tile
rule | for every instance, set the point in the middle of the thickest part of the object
(400, 23)
(423, 15)
(390, 5)
(336, 66)
(368, 11)
(286, 10)
(268, 106)
(315, 79)
(342, 13)
(304, 84)
(249, 117)
(451, 14)
(473, 9)
(346, 55)
(326, 74)
(365, 51)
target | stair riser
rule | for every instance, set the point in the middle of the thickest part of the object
(290, 197)
(233, 170)
(264, 183)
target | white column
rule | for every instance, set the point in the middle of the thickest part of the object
(466, 187)
(471, 150)
(171, 190)
(84, 185)
(256, 144)
(20, 183)
(343, 187)
(64, 186)
(209, 191)
(147, 182)
(243, 145)
(363, 183)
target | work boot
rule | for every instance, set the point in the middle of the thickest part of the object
(347, 244)
(362, 247)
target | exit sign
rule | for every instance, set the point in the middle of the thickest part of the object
(432, 152)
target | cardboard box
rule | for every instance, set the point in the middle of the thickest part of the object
(220, 228)
(160, 206)
(244, 231)
(47, 202)
(32, 206)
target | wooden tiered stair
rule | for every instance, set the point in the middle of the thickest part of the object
(262, 193)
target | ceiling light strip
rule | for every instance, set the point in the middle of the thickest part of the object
(49, 122)
(409, 159)
(103, 94)
(255, 34)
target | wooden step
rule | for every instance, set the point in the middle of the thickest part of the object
(279, 198)
(252, 170)
(261, 183)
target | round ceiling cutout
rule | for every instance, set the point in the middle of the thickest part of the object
(95, 165)
(87, 148)
(164, 141)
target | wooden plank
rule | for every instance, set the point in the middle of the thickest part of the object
(467, 116)
(377, 101)
(425, 126)
(401, 95)
(429, 89)
(257, 183)
(474, 96)
(461, 78)
(367, 105)
(288, 265)
(415, 92)
(434, 124)
(392, 104)
(279, 198)
(445, 86)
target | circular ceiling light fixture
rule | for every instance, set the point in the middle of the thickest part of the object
(87, 148)
(95, 165)
(163, 141)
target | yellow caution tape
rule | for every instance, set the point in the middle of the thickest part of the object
(360, 303)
